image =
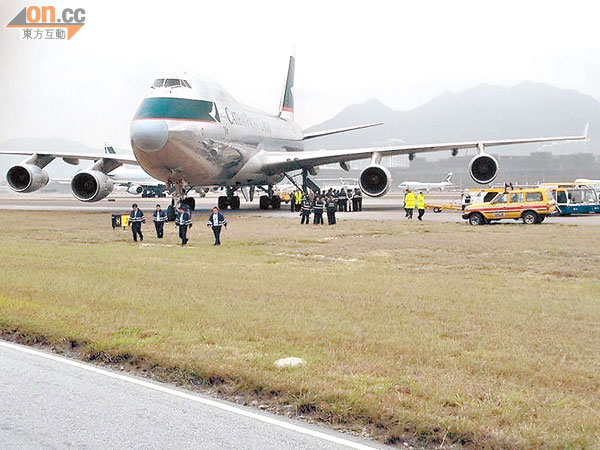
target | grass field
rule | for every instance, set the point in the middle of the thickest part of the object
(476, 337)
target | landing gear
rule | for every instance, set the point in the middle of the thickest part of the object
(264, 201)
(276, 202)
(190, 202)
(229, 200)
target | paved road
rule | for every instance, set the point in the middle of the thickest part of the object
(384, 208)
(50, 402)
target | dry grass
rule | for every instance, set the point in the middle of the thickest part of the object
(488, 336)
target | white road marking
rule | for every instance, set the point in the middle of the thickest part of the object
(195, 398)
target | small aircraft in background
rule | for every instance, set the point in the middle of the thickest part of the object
(420, 186)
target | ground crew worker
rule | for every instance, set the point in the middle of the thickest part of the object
(421, 205)
(358, 197)
(306, 208)
(159, 217)
(136, 218)
(297, 200)
(409, 203)
(216, 221)
(171, 213)
(342, 200)
(292, 200)
(183, 221)
(318, 208)
(465, 199)
(331, 206)
(350, 202)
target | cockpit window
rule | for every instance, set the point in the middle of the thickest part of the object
(186, 84)
(172, 82)
(158, 83)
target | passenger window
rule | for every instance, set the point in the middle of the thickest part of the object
(590, 196)
(561, 197)
(516, 198)
(158, 83)
(534, 196)
(500, 199)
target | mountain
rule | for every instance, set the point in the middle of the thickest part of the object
(484, 112)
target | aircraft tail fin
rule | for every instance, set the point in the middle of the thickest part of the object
(448, 178)
(286, 108)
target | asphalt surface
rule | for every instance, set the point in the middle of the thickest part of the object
(388, 207)
(51, 402)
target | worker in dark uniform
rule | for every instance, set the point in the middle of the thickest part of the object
(305, 210)
(341, 200)
(136, 218)
(159, 217)
(331, 206)
(171, 212)
(318, 207)
(216, 221)
(183, 221)
(358, 197)
(292, 200)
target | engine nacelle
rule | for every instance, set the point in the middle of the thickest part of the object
(91, 186)
(374, 180)
(135, 189)
(26, 178)
(483, 168)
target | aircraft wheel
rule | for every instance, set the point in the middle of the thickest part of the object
(264, 202)
(189, 201)
(235, 202)
(222, 202)
(276, 202)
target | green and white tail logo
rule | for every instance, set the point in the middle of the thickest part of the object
(286, 109)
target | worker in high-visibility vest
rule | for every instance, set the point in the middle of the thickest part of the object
(297, 200)
(421, 205)
(409, 203)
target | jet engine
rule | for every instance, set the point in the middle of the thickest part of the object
(374, 180)
(135, 189)
(26, 178)
(91, 186)
(483, 168)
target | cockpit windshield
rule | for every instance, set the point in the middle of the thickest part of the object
(170, 83)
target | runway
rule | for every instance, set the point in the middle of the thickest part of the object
(48, 401)
(388, 207)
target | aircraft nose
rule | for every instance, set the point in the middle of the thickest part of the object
(149, 135)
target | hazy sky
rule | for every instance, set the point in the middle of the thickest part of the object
(404, 53)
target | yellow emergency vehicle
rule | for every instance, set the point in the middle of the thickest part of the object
(531, 205)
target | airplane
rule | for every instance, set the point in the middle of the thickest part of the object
(421, 186)
(135, 180)
(190, 133)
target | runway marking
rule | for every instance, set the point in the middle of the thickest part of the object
(195, 398)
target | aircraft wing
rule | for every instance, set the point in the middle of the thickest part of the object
(72, 157)
(276, 162)
(314, 134)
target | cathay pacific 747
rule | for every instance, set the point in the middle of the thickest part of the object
(191, 134)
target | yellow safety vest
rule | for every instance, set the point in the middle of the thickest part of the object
(421, 201)
(409, 200)
(298, 197)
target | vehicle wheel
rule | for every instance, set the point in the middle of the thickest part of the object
(276, 202)
(235, 202)
(263, 202)
(437, 210)
(476, 219)
(189, 201)
(541, 219)
(529, 218)
(222, 202)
